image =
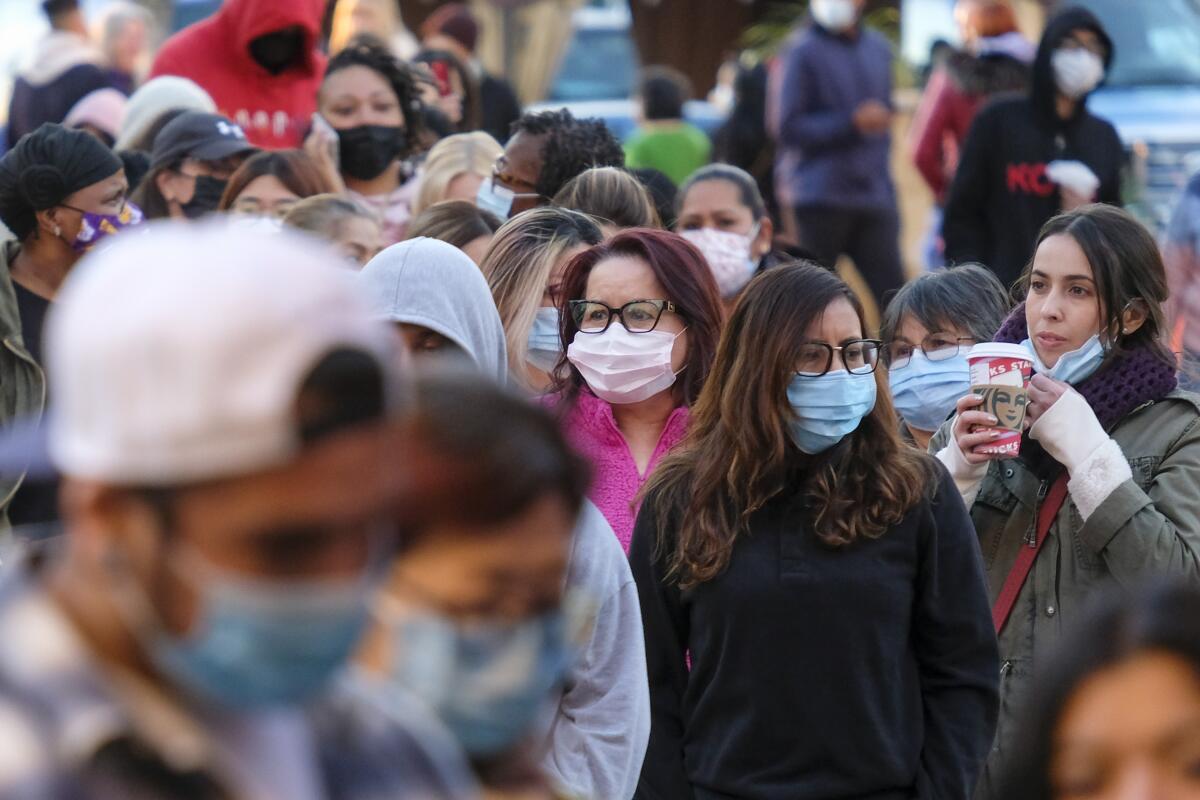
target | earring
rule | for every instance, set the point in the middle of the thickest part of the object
(57, 231)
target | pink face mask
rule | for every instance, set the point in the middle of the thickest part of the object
(622, 367)
(728, 256)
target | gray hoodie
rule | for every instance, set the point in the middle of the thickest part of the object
(435, 285)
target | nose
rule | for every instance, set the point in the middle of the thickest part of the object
(1139, 781)
(1052, 306)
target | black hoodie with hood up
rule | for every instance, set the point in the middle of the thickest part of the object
(1001, 197)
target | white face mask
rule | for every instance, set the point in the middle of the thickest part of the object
(834, 15)
(728, 256)
(622, 367)
(1077, 72)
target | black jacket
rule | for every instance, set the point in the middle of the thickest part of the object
(868, 671)
(1001, 197)
(500, 106)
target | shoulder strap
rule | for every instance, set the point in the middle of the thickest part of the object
(1049, 509)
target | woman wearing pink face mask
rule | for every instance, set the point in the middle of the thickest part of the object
(722, 212)
(641, 316)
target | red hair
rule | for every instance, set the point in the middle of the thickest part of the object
(688, 283)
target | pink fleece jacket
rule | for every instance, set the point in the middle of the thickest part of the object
(592, 430)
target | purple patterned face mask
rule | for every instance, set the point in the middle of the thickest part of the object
(95, 227)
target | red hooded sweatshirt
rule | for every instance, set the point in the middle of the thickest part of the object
(274, 110)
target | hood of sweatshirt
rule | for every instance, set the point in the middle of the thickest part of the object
(1045, 89)
(435, 285)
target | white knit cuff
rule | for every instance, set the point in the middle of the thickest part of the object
(1097, 477)
(1070, 431)
(967, 476)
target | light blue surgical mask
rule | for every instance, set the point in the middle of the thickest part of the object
(926, 392)
(486, 682)
(828, 408)
(1074, 367)
(545, 345)
(257, 643)
(494, 198)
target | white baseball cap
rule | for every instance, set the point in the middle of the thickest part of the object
(176, 356)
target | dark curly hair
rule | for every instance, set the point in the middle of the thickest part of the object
(572, 146)
(369, 52)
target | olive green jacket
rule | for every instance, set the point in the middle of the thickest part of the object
(22, 384)
(1148, 526)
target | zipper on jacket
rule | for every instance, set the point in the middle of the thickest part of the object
(1031, 537)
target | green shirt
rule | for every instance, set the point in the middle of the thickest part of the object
(677, 150)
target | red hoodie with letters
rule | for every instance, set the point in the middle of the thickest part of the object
(274, 110)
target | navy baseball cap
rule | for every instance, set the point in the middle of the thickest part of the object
(195, 134)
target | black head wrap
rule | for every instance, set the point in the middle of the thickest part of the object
(45, 168)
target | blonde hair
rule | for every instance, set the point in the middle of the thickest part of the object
(473, 153)
(518, 266)
(611, 196)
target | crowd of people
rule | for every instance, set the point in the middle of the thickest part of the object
(365, 437)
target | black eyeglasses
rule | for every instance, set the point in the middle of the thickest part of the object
(638, 316)
(858, 356)
(935, 346)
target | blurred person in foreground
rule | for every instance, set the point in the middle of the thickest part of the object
(835, 120)
(453, 28)
(64, 68)
(258, 60)
(1116, 715)
(1030, 157)
(229, 497)
(547, 149)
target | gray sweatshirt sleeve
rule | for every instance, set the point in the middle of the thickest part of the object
(598, 737)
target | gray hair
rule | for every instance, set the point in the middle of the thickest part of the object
(968, 298)
(116, 17)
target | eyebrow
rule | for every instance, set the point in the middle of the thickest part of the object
(1089, 278)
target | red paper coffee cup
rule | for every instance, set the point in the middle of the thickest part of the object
(1000, 373)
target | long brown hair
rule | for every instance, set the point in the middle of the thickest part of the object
(738, 455)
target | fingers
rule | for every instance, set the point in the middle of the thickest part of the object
(968, 402)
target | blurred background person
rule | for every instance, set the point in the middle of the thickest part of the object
(378, 18)
(927, 330)
(269, 183)
(1181, 255)
(525, 267)
(641, 315)
(664, 140)
(793, 545)
(193, 158)
(123, 32)
(439, 303)
(452, 27)
(994, 60)
(351, 228)
(64, 68)
(100, 114)
(742, 139)
(546, 150)
(370, 101)
(723, 215)
(1006, 187)
(455, 169)
(259, 62)
(153, 99)
(1116, 713)
(611, 196)
(459, 223)
(835, 120)
(457, 90)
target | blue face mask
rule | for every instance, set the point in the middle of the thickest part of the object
(258, 643)
(1074, 367)
(486, 683)
(494, 198)
(545, 346)
(828, 408)
(925, 392)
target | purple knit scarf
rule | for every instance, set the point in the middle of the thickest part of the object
(1128, 382)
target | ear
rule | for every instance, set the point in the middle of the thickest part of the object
(48, 220)
(766, 235)
(1133, 317)
(163, 183)
(101, 518)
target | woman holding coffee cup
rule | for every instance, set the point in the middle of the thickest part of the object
(1101, 483)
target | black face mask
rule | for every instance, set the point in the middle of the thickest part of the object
(205, 198)
(277, 51)
(366, 151)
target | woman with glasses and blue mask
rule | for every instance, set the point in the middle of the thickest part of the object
(1103, 489)
(815, 611)
(641, 316)
(524, 267)
(927, 329)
